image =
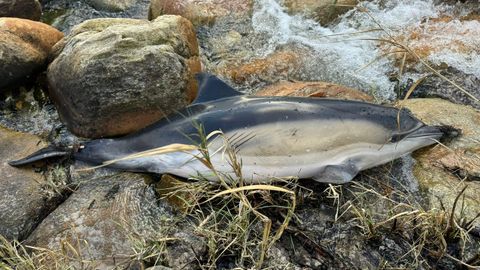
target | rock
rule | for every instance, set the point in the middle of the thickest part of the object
(201, 12)
(314, 89)
(442, 171)
(272, 68)
(112, 5)
(115, 76)
(323, 11)
(22, 200)
(434, 86)
(66, 14)
(27, 9)
(111, 220)
(169, 189)
(24, 47)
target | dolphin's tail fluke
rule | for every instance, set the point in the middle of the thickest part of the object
(48, 152)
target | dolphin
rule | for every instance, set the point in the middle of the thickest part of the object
(273, 137)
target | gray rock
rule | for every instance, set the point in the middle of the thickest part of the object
(116, 221)
(24, 47)
(27, 9)
(22, 199)
(66, 14)
(435, 86)
(115, 76)
(112, 5)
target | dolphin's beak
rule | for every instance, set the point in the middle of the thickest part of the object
(433, 132)
(420, 131)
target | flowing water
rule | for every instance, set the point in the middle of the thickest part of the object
(349, 51)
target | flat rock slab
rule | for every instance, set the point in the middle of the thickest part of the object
(115, 76)
(24, 48)
(109, 218)
(444, 170)
(22, 200)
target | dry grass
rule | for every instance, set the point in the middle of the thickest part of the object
(235, 218)
(430, 232)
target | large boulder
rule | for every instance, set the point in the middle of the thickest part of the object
(200, 12)
(22, 199)
(27, 9)
(24, 48)
(443, 171)
(115, 220)
(115, 76)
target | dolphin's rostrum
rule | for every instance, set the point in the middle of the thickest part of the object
(274, 137)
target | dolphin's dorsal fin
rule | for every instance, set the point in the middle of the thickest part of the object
(210, 87)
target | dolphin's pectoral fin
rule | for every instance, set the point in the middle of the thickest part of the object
(337, 174)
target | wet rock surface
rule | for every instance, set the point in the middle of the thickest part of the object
(27, 9)
(201, 12)
(323, 11)
(24, 47)
(115, 76)
(23, 201)
(434, 86)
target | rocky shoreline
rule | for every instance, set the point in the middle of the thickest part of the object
(101, 68)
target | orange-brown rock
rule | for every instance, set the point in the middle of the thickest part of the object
(323, 11)
(278, 65)
(27, 9)
(200, 12)
(314, 89)
(24, 46)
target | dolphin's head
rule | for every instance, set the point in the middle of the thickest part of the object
(402, 125)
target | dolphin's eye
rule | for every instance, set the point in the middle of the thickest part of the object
(397, 137)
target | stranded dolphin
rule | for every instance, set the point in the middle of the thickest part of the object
(323, 139)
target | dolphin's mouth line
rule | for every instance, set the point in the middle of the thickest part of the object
(425, 132)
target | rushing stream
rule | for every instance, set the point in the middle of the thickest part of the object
(348, 51)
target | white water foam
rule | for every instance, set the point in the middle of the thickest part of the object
(351, 59)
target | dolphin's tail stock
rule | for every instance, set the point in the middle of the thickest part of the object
(49, 152)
